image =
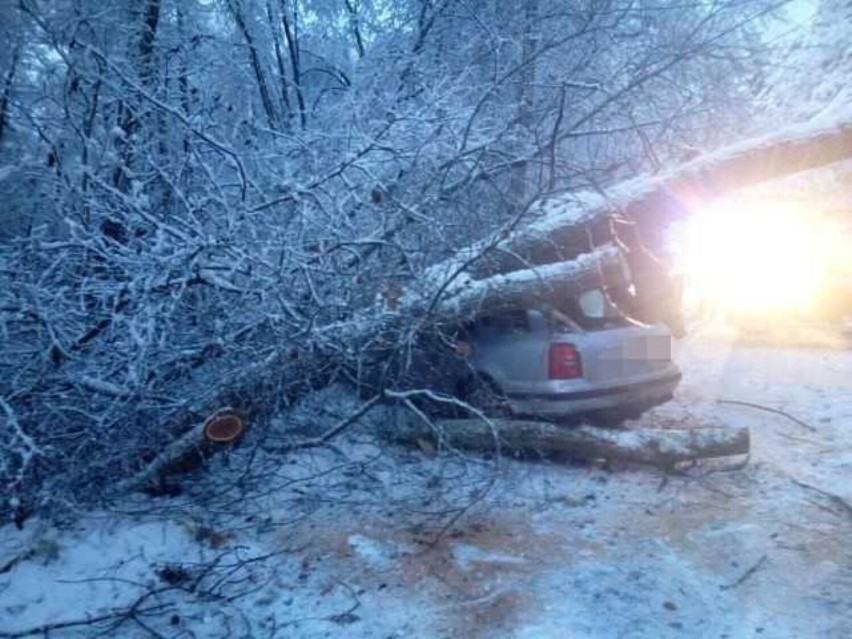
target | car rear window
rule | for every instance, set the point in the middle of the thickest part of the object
(569, 314)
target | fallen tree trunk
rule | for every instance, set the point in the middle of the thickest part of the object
(257, 391)
(559, 227)
(642, 445)
(464, 298)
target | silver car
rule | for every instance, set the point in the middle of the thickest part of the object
(555, 362)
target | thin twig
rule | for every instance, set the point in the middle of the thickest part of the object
(14, 561)
(769, 409)
(748, 573)
(836, 499)
(337, 428)
(47, 628)
(458, 513)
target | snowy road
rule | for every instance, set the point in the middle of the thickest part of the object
(588, 552)
(553, 550)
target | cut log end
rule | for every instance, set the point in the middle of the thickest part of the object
(224, 427)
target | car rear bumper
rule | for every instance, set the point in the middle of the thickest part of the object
(648, 391)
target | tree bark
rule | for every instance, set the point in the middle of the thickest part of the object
(519, 175)
(147, 35)
(464, 299)
(291, 34)
(657, 447)
(184, 454)
(7, 91)
(356, 27)
(143, 59)
(279, 60)
(256, 65)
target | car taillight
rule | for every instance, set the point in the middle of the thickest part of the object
(565, 362)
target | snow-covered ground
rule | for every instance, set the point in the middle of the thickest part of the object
(344, 543)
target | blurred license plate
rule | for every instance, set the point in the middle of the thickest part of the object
(651, 348)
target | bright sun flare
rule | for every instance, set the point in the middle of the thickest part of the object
(753, 257)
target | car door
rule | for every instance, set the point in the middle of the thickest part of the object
(511, 348)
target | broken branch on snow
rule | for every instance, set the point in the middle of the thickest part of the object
(220, 430)
(657, 447)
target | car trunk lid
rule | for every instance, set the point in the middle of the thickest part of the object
(625, 354)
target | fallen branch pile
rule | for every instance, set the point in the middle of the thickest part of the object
(552, 253)
(487, 275)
